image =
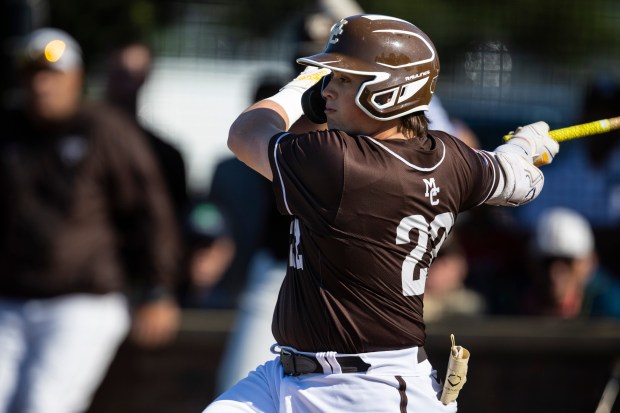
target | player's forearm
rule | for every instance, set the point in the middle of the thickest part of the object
(249, 135)
(520, 181)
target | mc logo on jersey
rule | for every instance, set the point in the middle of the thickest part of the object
(431, 190)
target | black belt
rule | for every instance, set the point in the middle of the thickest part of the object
(295, 364)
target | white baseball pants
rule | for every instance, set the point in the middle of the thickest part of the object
(395, 382)
(55, 352)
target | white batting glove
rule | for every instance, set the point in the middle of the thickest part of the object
(306, 79)
(289, 97)
(534, 139)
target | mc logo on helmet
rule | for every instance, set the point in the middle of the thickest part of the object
(336, 31)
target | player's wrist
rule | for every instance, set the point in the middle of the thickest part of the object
(517, 146)
(289, 97)
(290, 102)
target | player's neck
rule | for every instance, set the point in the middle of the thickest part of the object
(389, 134)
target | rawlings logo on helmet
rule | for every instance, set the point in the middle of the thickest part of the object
(336, 31)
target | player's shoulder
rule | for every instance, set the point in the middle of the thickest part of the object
(317, 144)
(446, 138)
(323, 137)
(309, 152)
(454, 146)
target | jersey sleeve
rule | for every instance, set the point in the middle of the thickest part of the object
(308, 174)
(479, 174)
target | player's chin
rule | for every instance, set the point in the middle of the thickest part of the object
(334, 123)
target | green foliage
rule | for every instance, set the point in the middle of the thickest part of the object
(266, 17)
(561, 31)
(569, 31)
(100, 25)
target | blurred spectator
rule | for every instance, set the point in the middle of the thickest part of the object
(262, 262)
(438, 117)
(211, 249)
(445, 294)
(601, 101)
(83, 217)
(241, 194)
(568, 281)
(488, 237)
(247, 199)
(129, 67)
(465, 133)
(586, 177)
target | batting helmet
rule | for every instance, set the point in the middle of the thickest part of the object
(400, 57)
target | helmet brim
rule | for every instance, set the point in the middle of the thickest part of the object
(340, 62)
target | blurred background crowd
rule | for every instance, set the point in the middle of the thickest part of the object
(117, 182)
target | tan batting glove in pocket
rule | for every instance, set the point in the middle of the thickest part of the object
(456, 375)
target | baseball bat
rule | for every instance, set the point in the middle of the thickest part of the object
(611, 390)
(582, 130)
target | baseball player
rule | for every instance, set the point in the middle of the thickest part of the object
(371, 200)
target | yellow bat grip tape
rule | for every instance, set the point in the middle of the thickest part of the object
(580, 131)
(577, 131)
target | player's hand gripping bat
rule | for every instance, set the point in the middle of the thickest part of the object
(546, 152)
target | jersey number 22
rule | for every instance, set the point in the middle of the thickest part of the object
(437, 230)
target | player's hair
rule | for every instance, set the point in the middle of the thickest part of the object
(414, 124)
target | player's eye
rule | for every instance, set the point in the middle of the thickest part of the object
(343, 79)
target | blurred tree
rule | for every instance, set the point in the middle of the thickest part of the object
(15, 20)
(566, 31)
(563, 31)
(100, 24)
(266, 17)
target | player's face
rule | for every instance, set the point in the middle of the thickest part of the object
(341, 110)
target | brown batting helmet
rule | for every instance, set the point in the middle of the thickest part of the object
(400, 57)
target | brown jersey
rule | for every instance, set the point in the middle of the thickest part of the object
(368, 217)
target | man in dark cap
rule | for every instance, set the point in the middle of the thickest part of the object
(83, 217)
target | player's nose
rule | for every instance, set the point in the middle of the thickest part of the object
(328, 92)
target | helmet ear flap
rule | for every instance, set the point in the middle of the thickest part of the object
(313, 103)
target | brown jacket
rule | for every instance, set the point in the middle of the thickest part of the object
(82, 209)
